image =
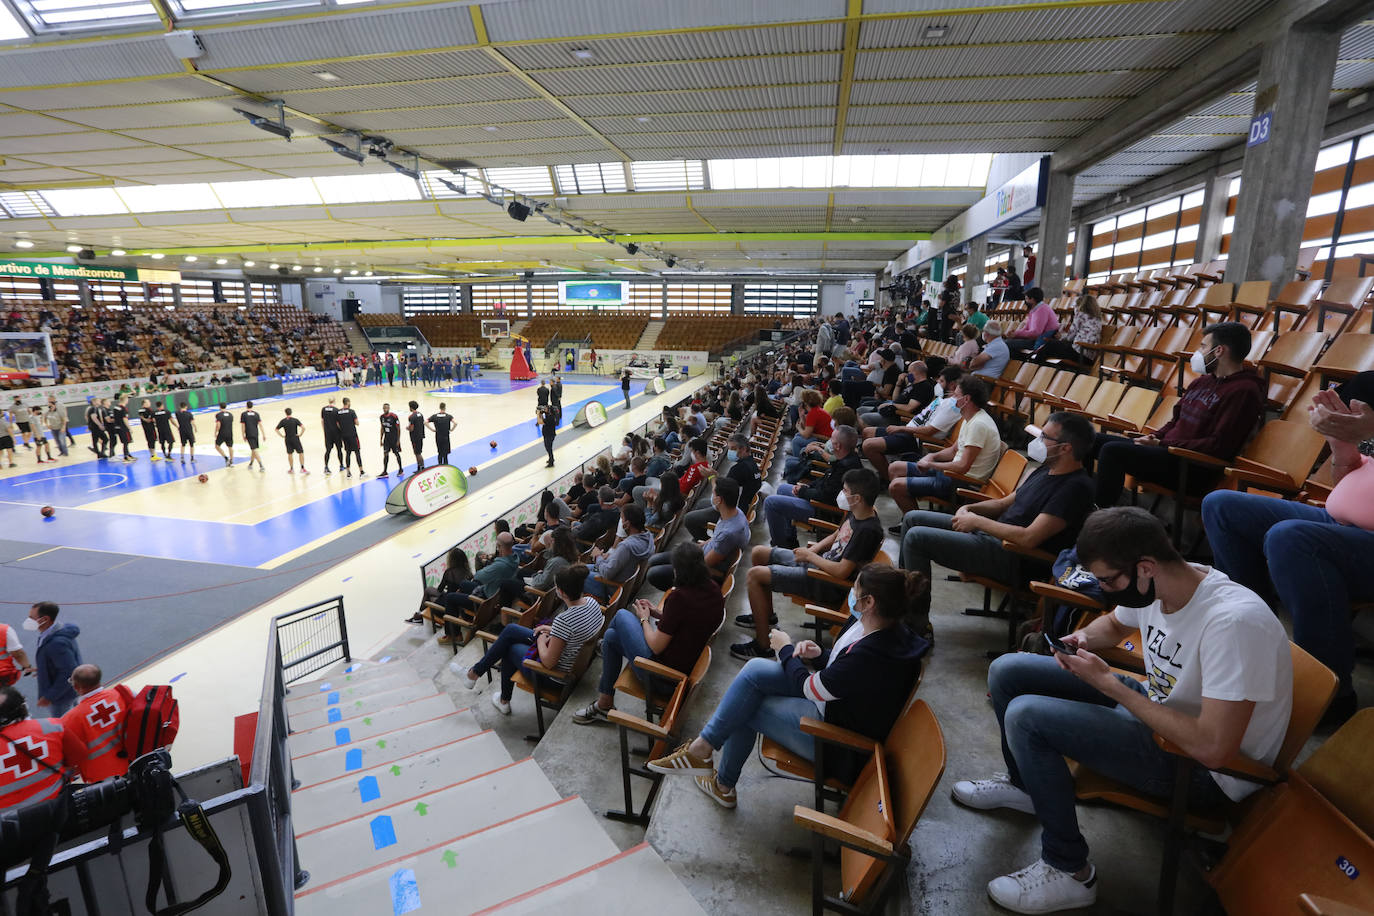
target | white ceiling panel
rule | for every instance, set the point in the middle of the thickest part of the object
(558, 18)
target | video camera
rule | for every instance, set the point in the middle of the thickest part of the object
(30, 833)
(905, 287)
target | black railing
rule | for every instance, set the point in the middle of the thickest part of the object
(310, 638)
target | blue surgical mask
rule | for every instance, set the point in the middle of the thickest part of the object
(853, 602)
(732, 454)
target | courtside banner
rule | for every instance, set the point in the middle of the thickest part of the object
(429, 491)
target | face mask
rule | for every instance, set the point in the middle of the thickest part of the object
(1131, 596)
(853, 599)
(939, 390)
(31, 625)
(842, 501)
(1198, 363)
(732, 454)
(1037, 450)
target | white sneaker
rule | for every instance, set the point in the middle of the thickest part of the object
(1042, 888)
(501, 705)
(997, 792)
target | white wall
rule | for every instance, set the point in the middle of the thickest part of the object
(389, 301)
(291, 295)
(327, 296)
(832, 298)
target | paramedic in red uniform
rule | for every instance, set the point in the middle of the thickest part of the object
(33, 753)
(97, 722)
(14, 661)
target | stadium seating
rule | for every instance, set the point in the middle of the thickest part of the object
(713, 333)
(620, 331)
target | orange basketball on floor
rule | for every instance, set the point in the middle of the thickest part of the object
(472, 471)
(204, 478)
(492, 443)
(47, 511)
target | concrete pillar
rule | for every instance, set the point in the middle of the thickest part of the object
(736, 298)
(1054, 233)
(977, 264)
(1293, 90)
(1082, 249)
(1215, 196)
(465, 299)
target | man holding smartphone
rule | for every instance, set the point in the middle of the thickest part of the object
(1220, 682)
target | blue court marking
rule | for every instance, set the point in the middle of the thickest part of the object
(383, 832)
(383, 660)
(177, 678)
(332, 699)
(353, 760)
(222, 542)
(405, 892)
(368, 790)
(334, 715)
(325, 686)
(342, 736)
(351, 668)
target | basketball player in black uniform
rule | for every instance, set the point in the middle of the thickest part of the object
(96, 424)
(162, 419)
(186, 430)
(415, 423)
(224, 434)
(329, 425)
(118, 421)
(145, 417)
(442, 423)
(347, 419)
(289, 428)
(390, 439)
(252, 424)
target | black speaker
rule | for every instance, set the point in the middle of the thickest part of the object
(284, 271)
(86, 254)
(517, 210)
(529, 275)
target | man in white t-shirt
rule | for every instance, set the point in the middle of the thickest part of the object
(974, 454)
(935, 421)
(1219, 682)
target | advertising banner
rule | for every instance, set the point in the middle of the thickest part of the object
(428, 491)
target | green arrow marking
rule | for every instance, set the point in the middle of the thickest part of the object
(367, 720)
(450, 858)
(395, 770)
(422, 809)
(348, 677)
(382, 744)
(359, 704)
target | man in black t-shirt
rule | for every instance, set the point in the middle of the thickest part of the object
(224, 435)
(329, 425)
(625, 386)
(390, 440)
(289, 428)
(744, 471)
(347, 420)
(118, 421)
(415, 425)
(252, 425)
(145, 417)
(162, 419)
(542, 393)
(442, 423)
(1043, 513)
(186, 430)
(95, 423)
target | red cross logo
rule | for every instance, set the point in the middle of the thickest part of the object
(19, 764)
(102, 714)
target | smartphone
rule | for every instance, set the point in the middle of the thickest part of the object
(1060, 646)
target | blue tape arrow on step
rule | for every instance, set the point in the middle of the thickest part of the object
(353, 760)
(335, 714)
(383, 833)
(405, 892)
(331, 699)
(342, 736)
(368, 789)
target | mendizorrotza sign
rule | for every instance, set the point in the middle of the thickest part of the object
(53, 271)
(428, 491)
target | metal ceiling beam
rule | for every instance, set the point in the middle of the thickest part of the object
(1216, 68)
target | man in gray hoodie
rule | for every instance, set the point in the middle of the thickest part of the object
(618, 563)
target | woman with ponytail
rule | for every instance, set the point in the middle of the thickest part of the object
(861, 683)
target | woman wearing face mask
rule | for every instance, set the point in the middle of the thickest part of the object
(1216, 415)
(861, 684)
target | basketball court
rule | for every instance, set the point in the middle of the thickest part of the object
(147, 559)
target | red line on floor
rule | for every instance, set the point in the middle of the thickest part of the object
(396, 760)
(563, 880)
(378, 735)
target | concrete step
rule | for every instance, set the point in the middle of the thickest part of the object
(419, 821)
(348, 692)
(622, 885)
(469, 871)
(313, 805)
(365, 699)
(340, 676)
(361, 728)
(310, 768)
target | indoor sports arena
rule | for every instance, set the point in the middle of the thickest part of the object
(775, 457)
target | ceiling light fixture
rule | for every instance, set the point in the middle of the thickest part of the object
(643, 119)
(583, 53)
(73, 249)
(190, 259)
(935, 32)
(327, 76)
(352, 273)
(338, 270)
(347, 152)
(296, 267)
(23, 243)
(368, 274)
(319, 270)
(157, 256)
(221, 261)
(273, 266)
(117, 252)
(277, 127)
(250, 263)
(491, 128)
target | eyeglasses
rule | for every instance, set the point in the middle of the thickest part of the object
(1106, 583)
(1051, 438)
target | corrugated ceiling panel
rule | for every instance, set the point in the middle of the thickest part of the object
(1358, 42)
(1044, 130)
(761, 136)
(555, 18)
(1023, 145)
(725, 120)
(513, 150)
(411, 95)
(1233, 103)
(371, 32)
(237, 130)
(18, 125)
(21, 146)
(438, 65)
(1116, 19)
(956, 112)
(790, 197)
(1029, 88)
(630, 103)
(479, 113)
(736, 150)
(1353, 75)
(802, 68)
(166, 115)
(681, 46)
(81, 63)
(527, 130)
(172, 89)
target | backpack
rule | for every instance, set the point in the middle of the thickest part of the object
(152, 722)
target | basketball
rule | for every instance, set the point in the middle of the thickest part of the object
(204, 478)
(47, 511)
(472, 471)
(492, 443)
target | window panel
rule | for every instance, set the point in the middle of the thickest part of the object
(499, 297)
(1332, 156)
(669, 175)
(591, 178)
(1187, 234)
(51, 14)
(20, 288)
(543, 297)
(359, 189)
(696, 298)
(85, 202)
(647, 297)
(22, 204)
(796, 299)
(1192, 199)
(271, 192)
(266, 293)
(197, 292)
(1134, 218)
(469, 187)
(233, 292)
(1322, 204)
(424, 300)
(162, 197)
(523, 179)
(10, 27)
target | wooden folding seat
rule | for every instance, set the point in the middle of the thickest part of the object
(1287, 362)
(1342, 297)
(1349, 355)
(1212, 272)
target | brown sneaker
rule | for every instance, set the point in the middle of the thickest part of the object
(719, 794)
(681, 762)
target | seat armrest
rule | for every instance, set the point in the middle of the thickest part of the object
(821, 523)
(1066, 596)
(839, 618)
(537, 667)
(972, 496)
(842, 831)
(833, 734)
(1238, 765)
(1035, 553)
(826, 577)
(635, 723)
(1193, 457)
(649, 666)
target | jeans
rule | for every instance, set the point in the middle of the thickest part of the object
(61, 438)
(1317, 567)
(1046, 714)
(780, 511)
(761, 700)
(509, 649)
(930, 483)
(623, 641)
(798, 443)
